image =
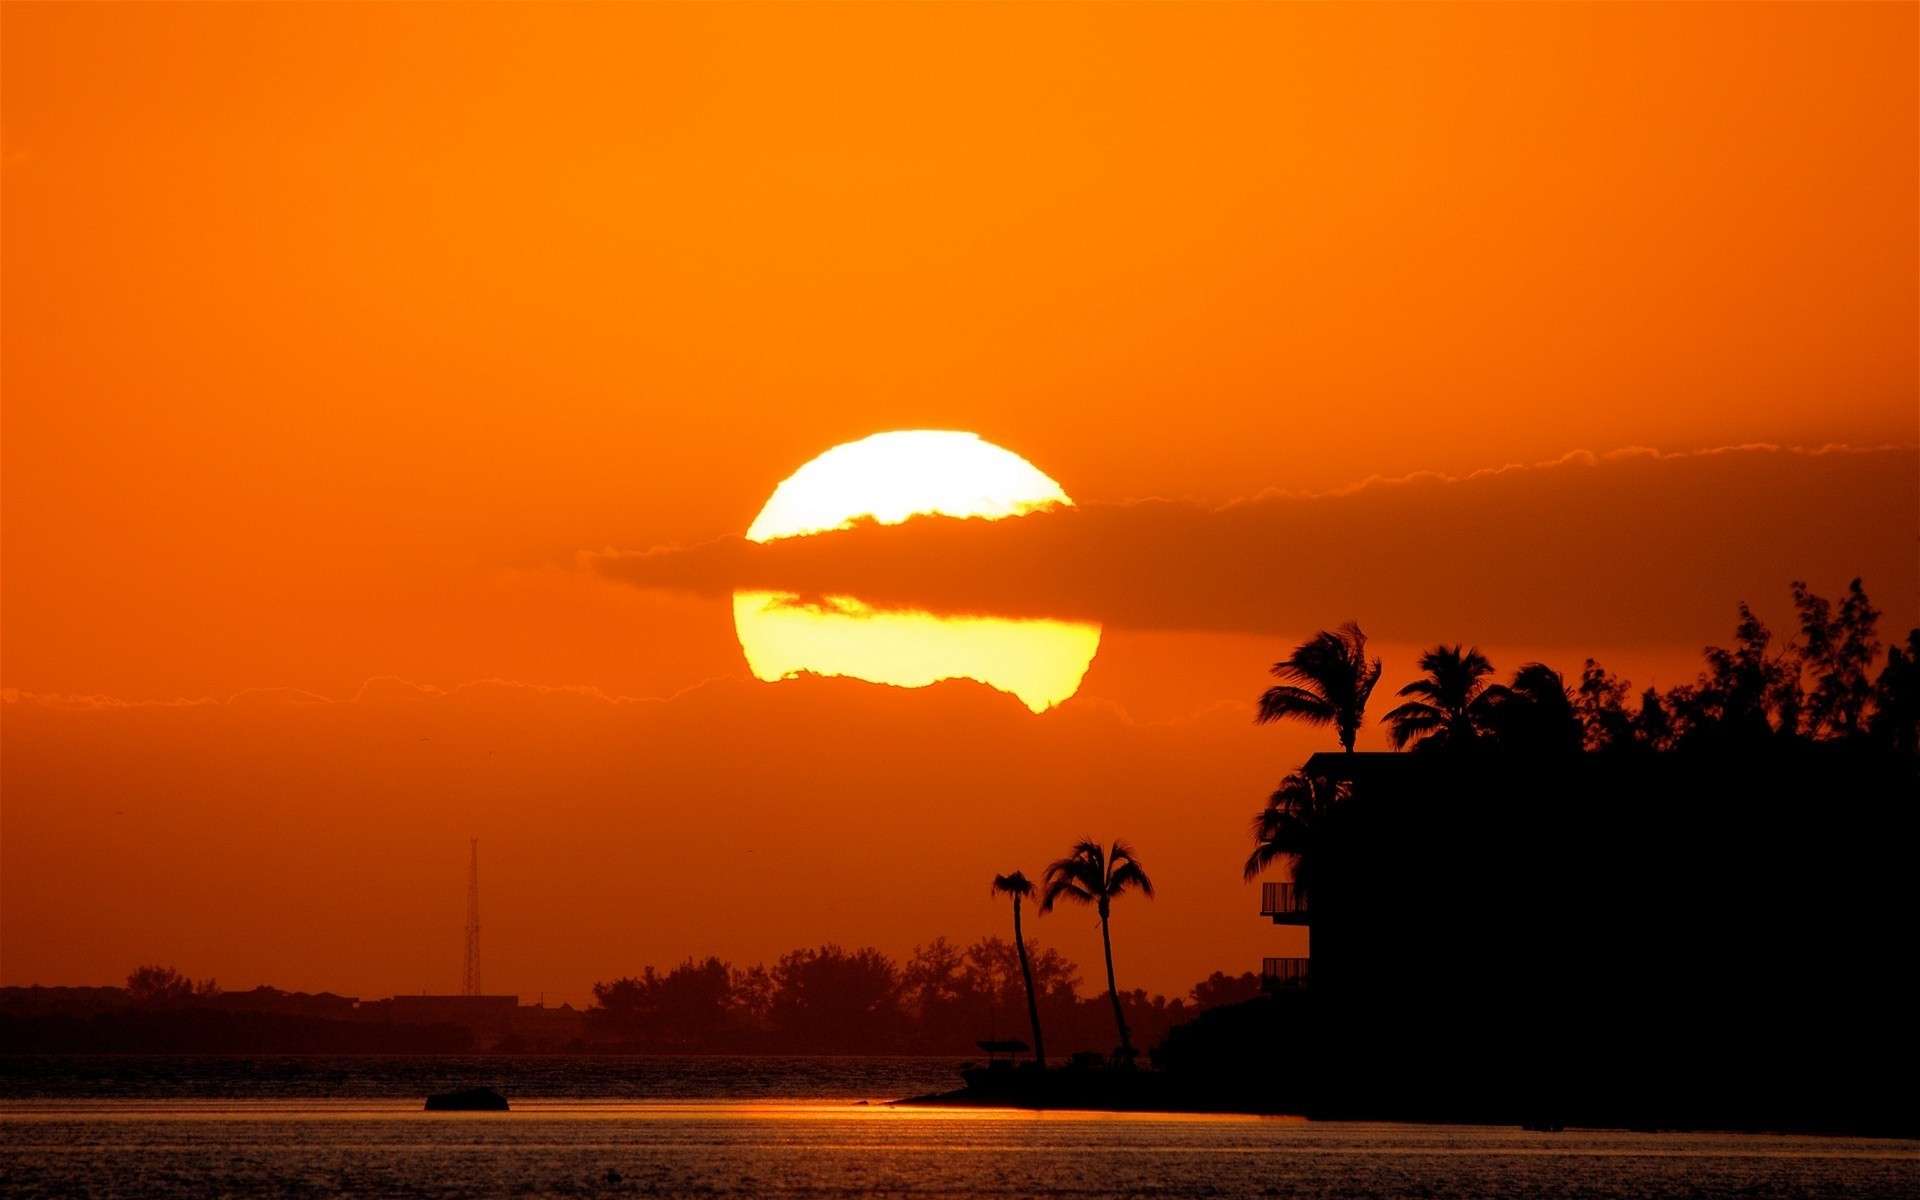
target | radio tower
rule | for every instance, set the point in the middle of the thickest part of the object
(470, 986)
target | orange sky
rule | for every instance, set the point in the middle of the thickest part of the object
(334, 334)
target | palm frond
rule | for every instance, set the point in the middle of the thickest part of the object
(1070, 889)
(1430, 689)
(1278, 703)
(1015, 884)
(1263, 856)
(1129, 874)
(1412, 721)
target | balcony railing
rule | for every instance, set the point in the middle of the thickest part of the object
(1283, 974)
(1283, 900)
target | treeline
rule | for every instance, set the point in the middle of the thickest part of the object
(1818, 692)
(205, 1029)
(829, 1000)
(161, 1011)
(1819, 685)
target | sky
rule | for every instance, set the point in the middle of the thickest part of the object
(388, 389)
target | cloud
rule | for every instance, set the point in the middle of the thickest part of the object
(1634, 545)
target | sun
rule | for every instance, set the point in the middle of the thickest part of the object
(892, 476)
(888, 478)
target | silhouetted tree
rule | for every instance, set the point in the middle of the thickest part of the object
(1220, 988)
(753, 999)
(1653, 724)
(691, 1003)
(1452, 706)
(942, 998)
(1600, 703)
(1098, 876)
(993, 970)
(1896, 698)
(163, 985)
(1536, 713)
(832, 1001)
(1326, 681)
(1744, 695)
(1291, 824)
(1018, 886)
(1837, 651)
(692, 1006)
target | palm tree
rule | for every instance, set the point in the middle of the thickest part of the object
(1326, 681)
(1291, 824)
(1537, 713)
(1019, 887)
(1096, 876)
(1454, 704)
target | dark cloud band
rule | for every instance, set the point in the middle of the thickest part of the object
(1635, 546)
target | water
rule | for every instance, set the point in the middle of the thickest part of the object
(159, 1144)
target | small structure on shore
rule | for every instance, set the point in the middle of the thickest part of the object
(997, 1047)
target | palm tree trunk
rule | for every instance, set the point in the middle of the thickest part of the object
(1106, 940)
(1026, 972)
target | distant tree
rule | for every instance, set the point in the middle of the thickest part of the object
(1291, 825)
(829, 1000)
(1600, 703)
(692, 1003)
(1152, 1016)
(1896, 698)
(1452, 707)
(993, 969)
(694, 1006)
(834, 1001)
(1019, 887)
(1837, 650)
(164, 985)
(1098, 876)
(619, 1007)
(753, 997)
(1326, 681)
(945, 1005)
(933, 983)
(1220, 988)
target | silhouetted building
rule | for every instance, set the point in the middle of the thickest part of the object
(39, 1001)
(1639, 939)
(487, 1018)
(536, 1026)
(1286, 904)
(324, 1005)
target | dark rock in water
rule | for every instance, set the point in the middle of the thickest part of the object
(478, 1099)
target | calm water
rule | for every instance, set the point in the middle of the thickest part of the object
(828, 1146)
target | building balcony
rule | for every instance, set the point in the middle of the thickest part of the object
(1283, 974)
(1284, 902)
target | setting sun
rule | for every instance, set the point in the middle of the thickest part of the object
(889, 477)
(892, 476)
